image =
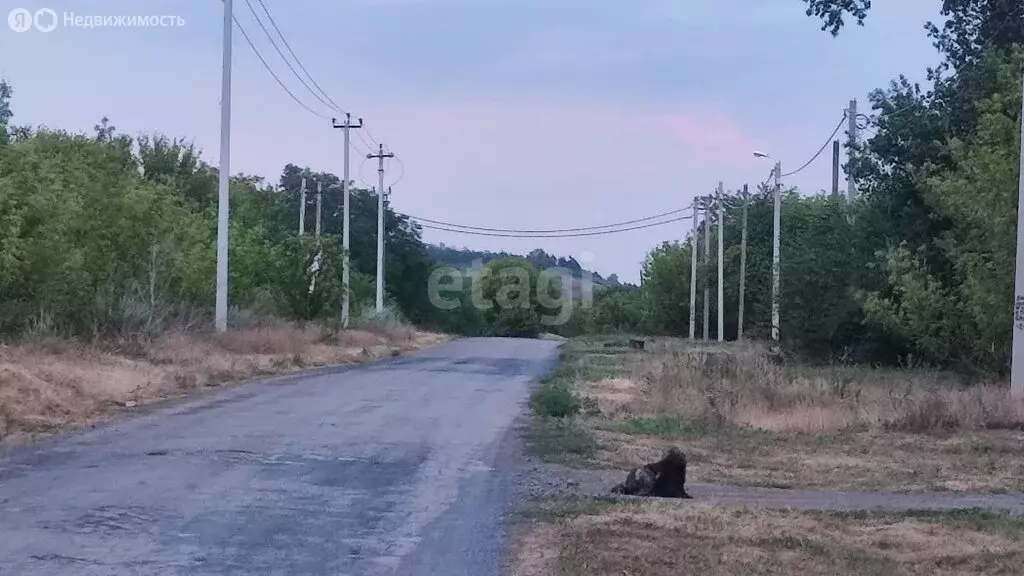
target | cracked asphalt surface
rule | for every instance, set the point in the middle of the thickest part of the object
(398, 467)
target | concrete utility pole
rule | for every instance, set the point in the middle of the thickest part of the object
(707, 256)
(835, 168)
(776, 224)
(380, 156)
(384, 265)
(693, 271)
(743, 267)
(851, 189)
(302, 208)
(1017, 359)
(319, 205)
(345, 231)
(221, 305)
(721, 273)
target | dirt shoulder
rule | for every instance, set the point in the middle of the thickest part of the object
(52, 385)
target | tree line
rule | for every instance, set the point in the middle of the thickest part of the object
(920, 267)
(104, 232)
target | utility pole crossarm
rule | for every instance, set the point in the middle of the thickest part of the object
(347, 124)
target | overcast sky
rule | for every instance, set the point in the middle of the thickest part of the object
(508, 114)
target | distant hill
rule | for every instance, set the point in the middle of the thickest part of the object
(468, 258)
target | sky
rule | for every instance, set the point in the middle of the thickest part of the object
(525, 114)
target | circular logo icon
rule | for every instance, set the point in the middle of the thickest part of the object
(20, 20)
(45, 20)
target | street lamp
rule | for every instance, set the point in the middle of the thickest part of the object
(777, 172)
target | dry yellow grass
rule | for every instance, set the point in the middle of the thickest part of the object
(986, 461)
(738, 386)
(662, 538)
(52, 384)
(742, 419)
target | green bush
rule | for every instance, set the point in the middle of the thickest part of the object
(556, 400)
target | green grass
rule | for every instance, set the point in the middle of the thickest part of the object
(560, 440)
(556, 434)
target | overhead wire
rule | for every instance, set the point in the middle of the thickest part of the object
(822, 149)
(281, 54)
(271, 70)
(360, 141)
(570, 235)
(298, 61)
(551, 230)
(401, 174)
(373, 139)
(371, 144)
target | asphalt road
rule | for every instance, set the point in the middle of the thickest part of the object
(400, 467)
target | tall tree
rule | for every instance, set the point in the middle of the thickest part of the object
(5, 109)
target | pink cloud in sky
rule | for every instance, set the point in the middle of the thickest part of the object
(713, 139)
(551, 163)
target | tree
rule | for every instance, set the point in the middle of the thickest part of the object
(831, 12)
(5, 109)
(516, 297)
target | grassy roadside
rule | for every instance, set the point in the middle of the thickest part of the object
(743, 420)
(49, 385)
(559, 431)
(580, 537)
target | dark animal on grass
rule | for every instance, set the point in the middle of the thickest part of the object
(665, 478)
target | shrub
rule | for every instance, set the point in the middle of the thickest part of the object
(556, 400)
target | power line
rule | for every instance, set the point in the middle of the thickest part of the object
(297, 60)
(329, 101)
(822, 149)
(473, 233)
(372, 138)
(402, 174)
(552, 230)
(281, 54)
(371, 144)
(272, 73)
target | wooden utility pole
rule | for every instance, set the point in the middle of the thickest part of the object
(835, 168)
